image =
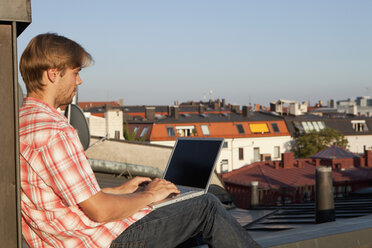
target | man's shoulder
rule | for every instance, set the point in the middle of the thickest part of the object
(37, 126)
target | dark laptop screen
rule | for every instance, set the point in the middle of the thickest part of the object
(192, 162)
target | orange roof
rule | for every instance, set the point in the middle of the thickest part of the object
(219, 129)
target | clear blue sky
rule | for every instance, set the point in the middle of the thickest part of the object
(155, 52)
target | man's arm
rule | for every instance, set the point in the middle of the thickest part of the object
(106, 207)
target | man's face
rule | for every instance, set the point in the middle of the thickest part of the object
(67, 85)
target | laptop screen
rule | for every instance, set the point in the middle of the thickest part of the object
(193, 161)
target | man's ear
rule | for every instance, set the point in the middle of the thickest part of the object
(52, 74)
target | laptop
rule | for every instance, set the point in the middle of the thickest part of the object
(190, 167)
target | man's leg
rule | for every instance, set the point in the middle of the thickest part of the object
(173, 224)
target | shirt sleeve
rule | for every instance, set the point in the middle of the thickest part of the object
(70, 173)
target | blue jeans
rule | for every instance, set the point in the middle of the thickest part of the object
(171, 225)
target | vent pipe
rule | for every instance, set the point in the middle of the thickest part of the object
(325, 207)
(254, 195)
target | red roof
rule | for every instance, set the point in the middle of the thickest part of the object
(270, 177)
(85, 105)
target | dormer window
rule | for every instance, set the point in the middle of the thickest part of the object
(359, 126)
(186, 131)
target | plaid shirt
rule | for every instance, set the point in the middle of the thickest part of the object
(55, 178)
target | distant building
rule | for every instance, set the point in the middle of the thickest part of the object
(294, 108)
(249, 136)
(361, 106)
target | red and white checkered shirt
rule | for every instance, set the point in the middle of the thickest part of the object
(55, 178)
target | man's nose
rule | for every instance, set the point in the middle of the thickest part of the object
(78, 80)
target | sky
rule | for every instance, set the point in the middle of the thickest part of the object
(151, 52)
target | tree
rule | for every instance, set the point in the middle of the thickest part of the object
(312, 142)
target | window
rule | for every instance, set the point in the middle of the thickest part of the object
(186, 131)
(225, 144)
(205, 130)
(360, 126)
(276, 151)
(316, 126)
(275, 127)
(321, 124)
(305, 126)
(241, 154)
(144, 131)
(224, 165)
(240, 128)
(170, 132)
(310, 126)
(299, 128)
(256, 154)
(136, 129)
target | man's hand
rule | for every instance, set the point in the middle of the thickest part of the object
(127, 187)
(160, 189)
(120, 202)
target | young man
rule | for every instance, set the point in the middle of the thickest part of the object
(62, 204)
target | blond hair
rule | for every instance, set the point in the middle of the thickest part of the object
(50, 51)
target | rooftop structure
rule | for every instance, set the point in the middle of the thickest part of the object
(293, 180)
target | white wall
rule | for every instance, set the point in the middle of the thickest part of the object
(265, 144)
(357, 143)
(106, 126)
(114, 122)
(97, 126)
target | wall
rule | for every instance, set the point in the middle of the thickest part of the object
(114, 122)
(357, 143)
(97, 125)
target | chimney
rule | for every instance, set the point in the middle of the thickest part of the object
(277, 165)
(216, 105)
(150, 113)
(223, 103)
(300, 164)
(316, 161)
(273, 107)
(235, 108)
(325, 207)
(246, 111)
(108, 106)
(121, 102)
(201, 109)
(288, 160)
(368, 158)
(257, 107)
(254, 195)
(174, 112)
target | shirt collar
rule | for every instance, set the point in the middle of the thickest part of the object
(33, 102)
